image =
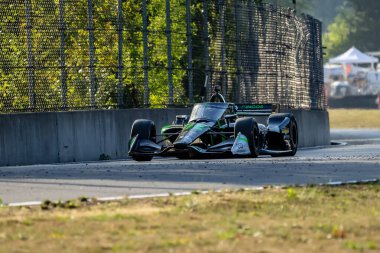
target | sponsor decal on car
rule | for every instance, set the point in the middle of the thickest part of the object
(132, 142)
(241, 146)
(192, 131)
(285, 131)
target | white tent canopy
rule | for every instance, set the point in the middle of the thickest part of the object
(353, 55)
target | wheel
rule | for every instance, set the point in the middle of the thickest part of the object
(249, 127)
(183, 156)
(142, 158)
(293, 132)
(146, 130)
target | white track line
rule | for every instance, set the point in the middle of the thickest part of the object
(164, 195)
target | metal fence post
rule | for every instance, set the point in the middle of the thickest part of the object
(145, 49)
(238, 58)
(223, 46)
(92, 51)
(120, 66)
(31, 81)
(189, 52)
(206, 53)
(62, 29)
(251, 56)
(169, 44)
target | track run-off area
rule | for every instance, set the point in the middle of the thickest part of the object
(358, 159)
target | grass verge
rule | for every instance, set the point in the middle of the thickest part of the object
(354, 118)
(300, 219)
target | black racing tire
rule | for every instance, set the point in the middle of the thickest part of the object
(248, 127)
(142, 158)
(146, 130)
(293, 131)
(183, 156)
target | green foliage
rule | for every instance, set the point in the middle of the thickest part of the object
(355, 25)
(291, 194)
(361, 247)
(336, 39)
(158, 79)
(325, 10)
(69, 204)
(365, 35)
(45, 37)
(195, 192)
(80, 85)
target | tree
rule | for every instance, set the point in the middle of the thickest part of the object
(336, 39)
(356, 25)
(367, 23)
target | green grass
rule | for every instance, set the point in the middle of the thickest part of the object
(354, 118)
(300, 219)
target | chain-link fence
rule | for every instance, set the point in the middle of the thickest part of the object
(77, 54)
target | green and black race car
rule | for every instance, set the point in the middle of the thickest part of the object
(217, 129)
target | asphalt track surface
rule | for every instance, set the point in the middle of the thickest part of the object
(358, 160)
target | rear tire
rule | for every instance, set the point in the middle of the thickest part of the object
(249, 128)
(146, 130)
(293, 131)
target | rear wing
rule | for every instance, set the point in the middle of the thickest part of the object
(257, 109)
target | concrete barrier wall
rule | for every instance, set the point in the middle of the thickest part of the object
(55, 137)
(313, 127)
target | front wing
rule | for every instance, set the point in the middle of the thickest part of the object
(143, 147)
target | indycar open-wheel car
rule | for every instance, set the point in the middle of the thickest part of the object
(217, 129)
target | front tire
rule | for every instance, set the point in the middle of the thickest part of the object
(249, 128)
(142, 158)
(146, 130)
(183, 155)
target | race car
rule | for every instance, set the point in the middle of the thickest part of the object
(217, 129)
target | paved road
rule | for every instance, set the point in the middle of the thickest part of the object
(360, 159)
